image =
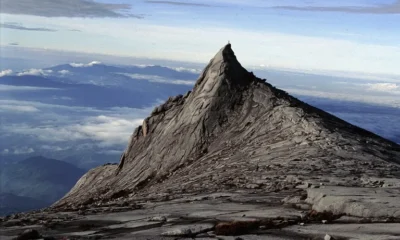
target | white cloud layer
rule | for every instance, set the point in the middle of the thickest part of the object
(384, 87)
(85, 64)
(53, 148)
(19, 151)
(106, 130)
(159, 79)
(35, 72)
(50, 107)
(6, 72)
(64, 72)
(59, 124)
(18, 108)
(191, 70)
(363, 98)
(23, 88)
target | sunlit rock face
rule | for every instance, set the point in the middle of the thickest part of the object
(236, 131)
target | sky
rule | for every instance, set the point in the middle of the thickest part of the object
(358, 36)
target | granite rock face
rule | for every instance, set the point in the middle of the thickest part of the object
(235, 158)
(220, 215)
(235, 131)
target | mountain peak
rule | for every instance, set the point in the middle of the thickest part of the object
(224, 68)
(225, 54)
(230, 132)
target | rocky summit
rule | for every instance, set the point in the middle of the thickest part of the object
(235, 156)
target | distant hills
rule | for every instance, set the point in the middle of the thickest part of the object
(35, 183)
(10, 203)
(102, 70)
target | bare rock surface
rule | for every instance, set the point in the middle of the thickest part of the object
(358, 202)
(234, 159)
(208, 217)
(235, 131)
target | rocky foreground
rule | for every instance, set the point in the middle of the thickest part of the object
(235, 158)
(308, 211)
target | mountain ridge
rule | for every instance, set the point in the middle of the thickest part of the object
(231, 132)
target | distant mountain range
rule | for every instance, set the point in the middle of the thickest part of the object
(10, 204)
(100, 70)
(35, 182)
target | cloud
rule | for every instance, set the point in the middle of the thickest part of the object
(62, 124)
(177, 82)
(191, 70)
(54, 107)
(108, 130)
(345, 74)
(6, 72)
(64, 72)
(23, 88)
(392, 8)
(178, 3)
(85, 64)
(159, 79)
(62, 98)
(18, 26)
(18, 108)
(25, 150)
(53, 148)
(143, 65)
(112, 152)
(35, 72)
(105, 130)
(363, 98)
(70, 8)
(384, 87)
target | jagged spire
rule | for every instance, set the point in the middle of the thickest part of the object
(229, 125)
(223, 68)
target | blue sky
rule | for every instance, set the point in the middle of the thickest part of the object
(359, 36)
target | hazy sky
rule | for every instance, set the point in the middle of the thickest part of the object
(352, 35)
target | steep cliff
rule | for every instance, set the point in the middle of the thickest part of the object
(235, 131)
